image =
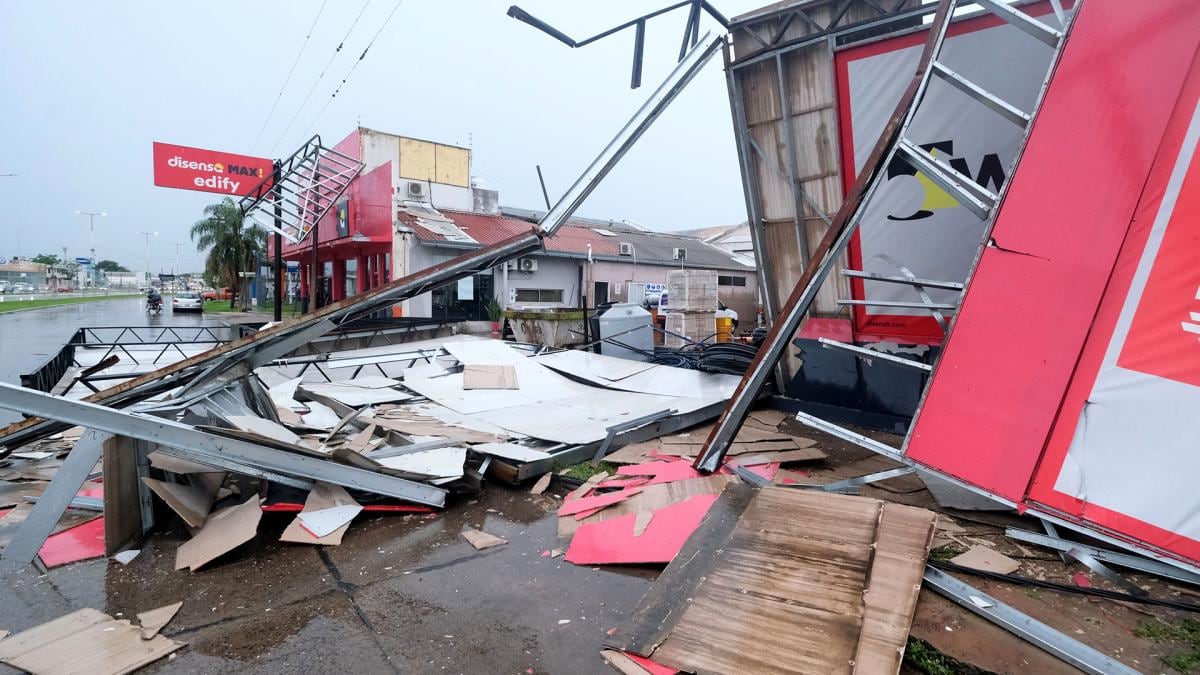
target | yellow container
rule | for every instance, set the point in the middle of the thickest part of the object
(724, 329)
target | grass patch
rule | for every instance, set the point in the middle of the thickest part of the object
(585, 470)
(942, 552)
(924, 658)
(1185, 633)
(18, 305)
(222, 307)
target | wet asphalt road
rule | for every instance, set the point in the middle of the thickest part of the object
(30, 337)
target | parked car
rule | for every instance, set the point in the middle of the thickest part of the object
(217, 294)
(22, 288)
(187, 302)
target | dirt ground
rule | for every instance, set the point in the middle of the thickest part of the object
(406, 593)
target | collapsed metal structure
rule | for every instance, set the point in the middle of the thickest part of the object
(206, 373)
(893, 145)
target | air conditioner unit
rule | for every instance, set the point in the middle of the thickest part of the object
(527, 264)
(679, 254)
(416, 190)
(625, 248)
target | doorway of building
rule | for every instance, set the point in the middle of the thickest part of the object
(466, 299)
(601, 293)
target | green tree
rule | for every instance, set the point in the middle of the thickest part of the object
(110, 266)
(231, 246)
(45, 259)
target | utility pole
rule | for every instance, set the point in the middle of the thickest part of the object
(175, 269)
(147, 235)
(92, 232)
(279, 278)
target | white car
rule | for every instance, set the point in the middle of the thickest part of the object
(187, 302)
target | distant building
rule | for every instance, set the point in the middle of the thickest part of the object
(123, 279)
(414, 206)
(733, 239)
(17, 271)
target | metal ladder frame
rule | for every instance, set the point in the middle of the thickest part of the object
(892, 144)
(310, 182)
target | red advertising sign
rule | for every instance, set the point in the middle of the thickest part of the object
(178, 166)
(1163, 339)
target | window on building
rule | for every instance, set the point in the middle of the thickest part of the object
(539, 295)
(723, 280)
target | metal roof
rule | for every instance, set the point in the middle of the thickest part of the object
(574, 239)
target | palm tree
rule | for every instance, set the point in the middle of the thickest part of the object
(232, 245)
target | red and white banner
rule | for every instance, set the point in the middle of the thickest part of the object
(912, 225)
(1071, 378)
(178, 166)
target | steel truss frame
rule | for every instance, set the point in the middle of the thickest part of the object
(306, 185)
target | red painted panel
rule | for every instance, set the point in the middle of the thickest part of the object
(612, 542)
(1029, 306)
(370, 196)
(1187, 213)
(81, 542)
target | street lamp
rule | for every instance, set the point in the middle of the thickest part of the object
(92, 232)
(147, 235)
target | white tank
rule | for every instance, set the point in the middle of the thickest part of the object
(621, 317)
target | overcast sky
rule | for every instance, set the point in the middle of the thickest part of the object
(86, 88)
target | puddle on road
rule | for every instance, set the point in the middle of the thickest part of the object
(405, 585)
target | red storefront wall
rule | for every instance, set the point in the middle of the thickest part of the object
(367, 240)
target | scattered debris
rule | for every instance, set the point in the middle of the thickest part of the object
(542, 483)
(85, 641)
(481, 540)
(125, 557)
(489, 377)
(987, 559)
(709, 612)
(223, 531)
(155, 620)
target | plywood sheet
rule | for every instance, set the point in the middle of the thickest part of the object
(224, 531)
(783, 590)
(191, 503)
(481, 540)
(86, 641)
(155, 620)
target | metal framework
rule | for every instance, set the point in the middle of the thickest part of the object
(691, 33)
(214, 450)
(893, 144)
(210, 370)
(310, 182)
(1027, 628)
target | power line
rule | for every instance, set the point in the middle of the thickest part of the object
(352, 68)
(320, 77)
(289, 76)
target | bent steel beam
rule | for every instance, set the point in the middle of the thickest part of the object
(200, 371)
(178, 435)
